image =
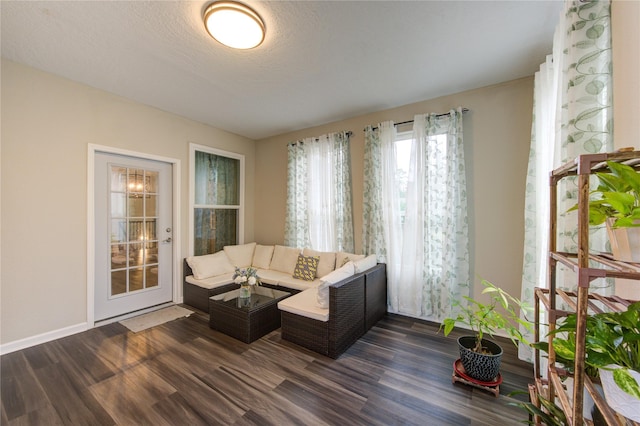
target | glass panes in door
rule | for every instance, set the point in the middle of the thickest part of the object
(133, 216)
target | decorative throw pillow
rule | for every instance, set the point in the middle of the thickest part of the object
(306, 267)
(342, 273)
(327, 261)
(322, 295)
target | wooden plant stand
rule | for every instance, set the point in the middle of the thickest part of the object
(460, 376)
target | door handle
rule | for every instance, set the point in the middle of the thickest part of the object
(168, 240)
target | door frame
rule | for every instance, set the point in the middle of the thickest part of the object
(91, 237)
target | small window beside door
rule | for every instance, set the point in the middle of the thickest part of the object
(217, 183)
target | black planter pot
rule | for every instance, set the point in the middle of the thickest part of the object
(483, 367)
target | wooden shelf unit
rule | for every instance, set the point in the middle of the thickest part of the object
(587, 267)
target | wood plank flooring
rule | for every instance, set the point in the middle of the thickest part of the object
(184, 373)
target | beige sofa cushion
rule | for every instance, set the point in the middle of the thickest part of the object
(327, 261)
(297, 284)
(322, 291)
(304, 304)
(210, 265)
(366, 263)
(342, 258)
(211, 282)
(269, 276)
(262, 256)
(240, 255)
(284, 259)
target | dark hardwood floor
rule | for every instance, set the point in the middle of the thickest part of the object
(184, 373)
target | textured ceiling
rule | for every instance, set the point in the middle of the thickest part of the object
(321, 61)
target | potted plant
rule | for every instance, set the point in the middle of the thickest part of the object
(616, 202)
(612, 345)
(246, 277)
(481, 357)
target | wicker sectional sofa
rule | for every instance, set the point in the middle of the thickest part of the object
(355, 304)
(328, 310)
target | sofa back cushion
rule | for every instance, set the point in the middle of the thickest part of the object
(366, 263)
(240, 255)
(262, 256)
(210, 265)
(284, 259)
(342, 258)
(327, 261)
(345, 271)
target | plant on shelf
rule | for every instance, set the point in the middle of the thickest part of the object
(480, 357)
(617, 197)
(564, 348)
(547, 413)
(616, 202)
(612, 345)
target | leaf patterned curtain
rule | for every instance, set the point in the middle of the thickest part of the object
(427, 253)
(382, 223)
(319, 205)
(435, 250)
(572, 116)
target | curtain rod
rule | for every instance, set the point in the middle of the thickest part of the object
(411, 121)
(348, 133)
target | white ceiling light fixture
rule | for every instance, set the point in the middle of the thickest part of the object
(234, 24)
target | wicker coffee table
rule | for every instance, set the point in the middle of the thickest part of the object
(246, 319)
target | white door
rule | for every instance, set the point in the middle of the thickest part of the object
(133, 229)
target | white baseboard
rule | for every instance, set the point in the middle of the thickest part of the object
(42, 338)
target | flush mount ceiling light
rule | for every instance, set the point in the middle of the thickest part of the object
(234, 24)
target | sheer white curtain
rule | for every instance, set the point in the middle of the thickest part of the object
(319, 207)
(382, 224)
(545, 128)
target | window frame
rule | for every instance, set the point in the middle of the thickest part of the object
(193, 148)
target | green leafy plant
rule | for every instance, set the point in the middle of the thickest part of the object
(485, 318)
(565, 352)
(548, 412)
(617, 197)
(611, 338)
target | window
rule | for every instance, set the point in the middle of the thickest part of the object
(403, 144)
(216, 199)
(403, 156)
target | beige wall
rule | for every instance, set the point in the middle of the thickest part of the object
(625, 27)
(47, 124)
(497, 133)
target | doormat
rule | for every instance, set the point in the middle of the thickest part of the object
(151, 319)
